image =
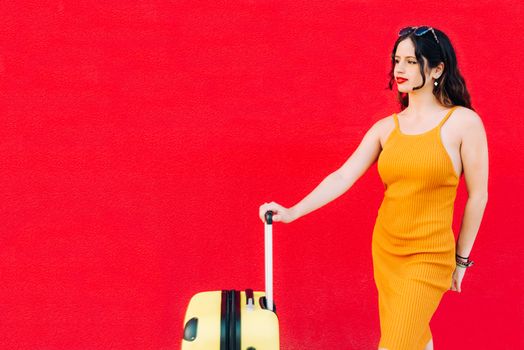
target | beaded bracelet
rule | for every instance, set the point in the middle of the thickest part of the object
(464, 264)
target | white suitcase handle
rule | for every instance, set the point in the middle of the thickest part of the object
(268, 248)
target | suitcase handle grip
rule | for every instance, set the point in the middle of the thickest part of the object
(269, 217)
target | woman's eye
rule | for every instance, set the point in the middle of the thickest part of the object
(411, 62)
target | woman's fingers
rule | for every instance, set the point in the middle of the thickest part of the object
(272, 206)
(262, 212)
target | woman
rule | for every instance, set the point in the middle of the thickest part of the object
(421, 153)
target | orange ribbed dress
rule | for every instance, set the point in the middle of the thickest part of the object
(413, 245)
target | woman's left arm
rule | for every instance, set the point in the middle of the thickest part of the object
(474, 154)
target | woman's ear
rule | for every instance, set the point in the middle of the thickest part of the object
(441, 66)
(439, 70)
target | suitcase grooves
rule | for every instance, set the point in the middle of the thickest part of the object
(230, 321)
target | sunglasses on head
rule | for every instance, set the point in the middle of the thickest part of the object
(418, 31)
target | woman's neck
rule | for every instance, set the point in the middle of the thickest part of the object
(423, 104)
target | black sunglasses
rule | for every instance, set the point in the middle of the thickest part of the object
(418, 31)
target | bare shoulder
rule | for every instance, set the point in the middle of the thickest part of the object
(386, 121)
(461, 125)
(384, 127)
(468, 122)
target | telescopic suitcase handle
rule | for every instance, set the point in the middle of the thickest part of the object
(268, 248)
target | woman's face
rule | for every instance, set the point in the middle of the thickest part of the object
(407, 67)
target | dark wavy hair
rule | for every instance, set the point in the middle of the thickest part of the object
(451, 89)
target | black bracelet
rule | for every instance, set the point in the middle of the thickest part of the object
(464, 264)
(462, 257)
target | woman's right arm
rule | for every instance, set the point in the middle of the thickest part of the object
(336, 183)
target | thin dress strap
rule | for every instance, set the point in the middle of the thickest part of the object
(395, 118)
(447, 116)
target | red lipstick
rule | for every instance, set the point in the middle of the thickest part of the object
(401, 80)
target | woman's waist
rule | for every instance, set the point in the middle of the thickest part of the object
(420, 223)
(418, 233)
(417, 211)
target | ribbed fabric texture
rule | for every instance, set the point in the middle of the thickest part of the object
(413, 245)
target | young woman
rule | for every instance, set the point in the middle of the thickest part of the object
(421, 152)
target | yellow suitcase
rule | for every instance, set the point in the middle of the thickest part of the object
(235, 320)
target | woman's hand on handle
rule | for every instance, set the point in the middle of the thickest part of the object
(280, 213)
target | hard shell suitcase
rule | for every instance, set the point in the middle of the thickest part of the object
(235, 320)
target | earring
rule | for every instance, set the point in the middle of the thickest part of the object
(436, 83)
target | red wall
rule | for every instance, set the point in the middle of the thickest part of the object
(139, 138)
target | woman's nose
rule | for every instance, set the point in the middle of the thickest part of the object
(399, 68)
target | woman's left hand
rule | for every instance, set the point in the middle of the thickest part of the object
(456, 280)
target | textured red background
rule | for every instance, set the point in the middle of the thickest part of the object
(139, 138)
